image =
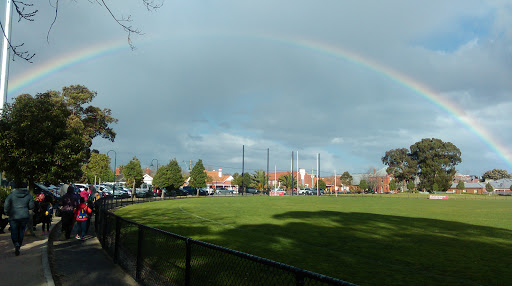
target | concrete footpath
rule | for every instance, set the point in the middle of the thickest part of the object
(53, 260)
(27, 268)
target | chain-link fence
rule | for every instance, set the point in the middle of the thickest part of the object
(156, 257)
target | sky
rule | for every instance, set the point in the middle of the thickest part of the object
(225, 81)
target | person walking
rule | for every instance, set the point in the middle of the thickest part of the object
(46, 210)
(17, 206)
(85, 193)
(81, 216)
(69, 205)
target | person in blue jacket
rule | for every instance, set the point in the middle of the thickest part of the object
(16, 206)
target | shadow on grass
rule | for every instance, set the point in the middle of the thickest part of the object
(363, 248)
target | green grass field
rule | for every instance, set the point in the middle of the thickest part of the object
(367, 241)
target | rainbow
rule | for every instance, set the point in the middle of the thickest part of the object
(55, 65)
(93, 52)
(409, 83)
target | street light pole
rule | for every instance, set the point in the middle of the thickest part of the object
(115, 164)
(156, 164)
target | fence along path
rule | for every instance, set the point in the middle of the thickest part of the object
(156, 257)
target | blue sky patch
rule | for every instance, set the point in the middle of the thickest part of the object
(458, 33)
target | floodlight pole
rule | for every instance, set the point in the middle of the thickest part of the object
(115, 164)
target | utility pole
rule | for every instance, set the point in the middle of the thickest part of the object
(243, 162)
(5, 55)
(297, 173)
(266, 176)
(335, 190)
(291, 173)
(317, 174)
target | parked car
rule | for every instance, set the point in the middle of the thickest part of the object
(209, 191)
(223, 191)
(106, 190)
(40, 188)
(252, 191)
(81, 187)
(306, 192)
(119, 192)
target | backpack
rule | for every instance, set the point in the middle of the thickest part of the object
(82, 214)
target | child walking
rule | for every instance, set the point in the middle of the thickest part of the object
(46, 210)
(81, 216)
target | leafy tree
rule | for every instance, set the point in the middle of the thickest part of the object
(245, 180)
(400, 165)
(363, 185)
(392, 185)
(97, 168)
(496, 174)
(259, 179)
(288, 180)
(133, 174)
(346, 179)
(321, 184)
(198, 176)
(489, 188)
(436, 162)
(171, 177)
(38, 142)
(411, 186)
(460, 186)
(49, 135)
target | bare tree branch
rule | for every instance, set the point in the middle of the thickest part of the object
(26, 11)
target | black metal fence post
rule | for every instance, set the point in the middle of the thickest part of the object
(116, 241)
(104, 227)
(138, 270)
(187, 262)
(299, 279)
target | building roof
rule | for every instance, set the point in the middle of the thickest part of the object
(502, 184)
(470, 185)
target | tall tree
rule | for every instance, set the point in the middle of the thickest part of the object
(38, 142)
(259, 179)
(496, 174)
(169, 176)
(400, 165)
(288, 180)
(363, 185)
(321, 184)
(489, 188)
(436, 162)
(346, 179)
(460, 186)
(411, 186)
(97, 168)
(198, 176)
(246, 179)
(133, 174)
(392, 185)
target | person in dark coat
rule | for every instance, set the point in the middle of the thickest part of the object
(17, 206)
(68, 204)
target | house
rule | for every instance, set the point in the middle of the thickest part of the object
(471, 188)
(218, 179)
(502, 186)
